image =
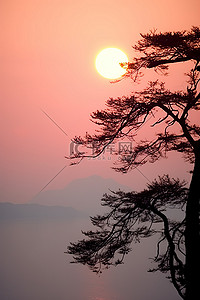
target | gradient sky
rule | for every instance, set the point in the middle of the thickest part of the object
(48, 49)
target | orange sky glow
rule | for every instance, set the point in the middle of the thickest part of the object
(47, 55)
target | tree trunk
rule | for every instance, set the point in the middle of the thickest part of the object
(192, 231)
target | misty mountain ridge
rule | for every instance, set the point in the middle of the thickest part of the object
(82, 194)
(10, 211)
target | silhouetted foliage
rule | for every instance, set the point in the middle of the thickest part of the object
(158, 50)
(132, 216)
(136, 215)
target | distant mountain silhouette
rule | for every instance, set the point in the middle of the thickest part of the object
(10, 211)
(82, 194)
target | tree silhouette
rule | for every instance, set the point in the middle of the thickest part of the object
(136, 215)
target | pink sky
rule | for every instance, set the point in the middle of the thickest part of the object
(47, 55)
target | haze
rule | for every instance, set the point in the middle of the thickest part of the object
(48, 51)
(48, 88)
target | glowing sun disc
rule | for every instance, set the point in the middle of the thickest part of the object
(108, 63)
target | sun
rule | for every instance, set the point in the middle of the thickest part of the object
(108, 63)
